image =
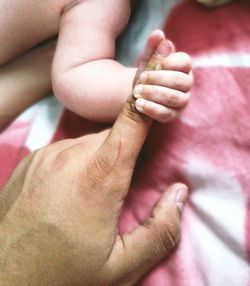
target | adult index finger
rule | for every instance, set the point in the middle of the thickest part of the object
(131, 127)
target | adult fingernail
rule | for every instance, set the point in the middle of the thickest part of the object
(163, 49)
(139, 104)
(138, 91)
(181, 197)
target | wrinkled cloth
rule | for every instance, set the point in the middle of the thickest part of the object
(208, 148)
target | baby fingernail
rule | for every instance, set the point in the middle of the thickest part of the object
(163, 49)
(181, 197)
(143, 77)
(139, 104)
(138, 91)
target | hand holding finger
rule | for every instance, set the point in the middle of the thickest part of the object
(171, 79)
(65, 208)
(176, 62)
(162, 95)
(156, 111)
(157, 48)
(137, 124)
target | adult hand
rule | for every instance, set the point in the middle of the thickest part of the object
(59, 212)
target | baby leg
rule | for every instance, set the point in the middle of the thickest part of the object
(24, 80)
(26, 23)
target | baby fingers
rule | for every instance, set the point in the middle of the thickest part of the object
(156, 111)
(162, 95)
(176, 62)
(166, 78)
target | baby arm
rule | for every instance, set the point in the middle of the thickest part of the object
(25, 80)
(85, 76)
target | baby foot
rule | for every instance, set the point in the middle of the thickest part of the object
(163, 88)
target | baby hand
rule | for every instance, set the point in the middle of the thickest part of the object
(163, 93)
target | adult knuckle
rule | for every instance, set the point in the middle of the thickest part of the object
(103, 166)
(98, 170)
(63, 156)
(62, 159)
(171, 235)
(156, 237)
(130, 111)
(165, 238)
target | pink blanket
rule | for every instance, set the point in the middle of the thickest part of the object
(208, 148)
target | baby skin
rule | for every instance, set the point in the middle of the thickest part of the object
(85, 76)
(88, 80)
(164, 80)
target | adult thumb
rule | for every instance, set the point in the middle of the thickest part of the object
(139, 251)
